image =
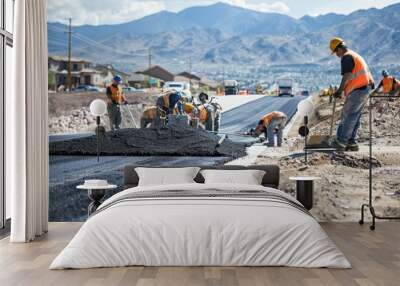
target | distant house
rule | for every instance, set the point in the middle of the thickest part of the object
(187, 76)
(82, 72)
(209, 84)
(137, 80)
(157, 75)
(108, 72)
(58, 65)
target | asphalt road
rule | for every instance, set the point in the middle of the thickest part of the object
(245, 117)
(66, 172)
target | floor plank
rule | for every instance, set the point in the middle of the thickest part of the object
(375, 257)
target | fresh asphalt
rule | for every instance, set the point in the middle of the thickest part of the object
(66, 172)
(245, 117)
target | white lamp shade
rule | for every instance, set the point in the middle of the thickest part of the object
(305, 107)
(98, 107)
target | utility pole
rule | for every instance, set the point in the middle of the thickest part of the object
(150, 55)
(69, 76)
(190, 71)
(149, 77)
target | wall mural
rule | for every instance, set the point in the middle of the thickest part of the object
(173, 89)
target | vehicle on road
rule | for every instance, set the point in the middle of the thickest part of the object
(87, 88)
(304, 93)
(244, 92)
(231, 87)
(129, 89)
(285, 86)
(183, 87)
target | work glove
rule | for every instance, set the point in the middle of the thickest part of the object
(372, 85)
(337, 94)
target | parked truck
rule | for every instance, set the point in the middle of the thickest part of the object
(231, 87)
(285, 86)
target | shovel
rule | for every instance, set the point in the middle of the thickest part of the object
(323, 141)
(133, 119)
(330, 140)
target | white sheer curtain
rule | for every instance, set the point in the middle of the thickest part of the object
(26, 124)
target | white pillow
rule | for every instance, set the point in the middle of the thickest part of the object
(166, 176)
(246, 177)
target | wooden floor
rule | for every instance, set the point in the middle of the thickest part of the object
(375, 257)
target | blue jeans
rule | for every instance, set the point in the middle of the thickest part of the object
(114, 114)
(278, 124)
(351, 116)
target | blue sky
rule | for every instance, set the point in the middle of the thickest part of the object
(97, 12)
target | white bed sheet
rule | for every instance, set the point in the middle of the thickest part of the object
(200, 232)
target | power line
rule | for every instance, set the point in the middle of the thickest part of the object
(96, 44)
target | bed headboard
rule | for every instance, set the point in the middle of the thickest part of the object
(271, 177)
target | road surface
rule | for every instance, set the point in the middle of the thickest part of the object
(66, 172)
(246, 116)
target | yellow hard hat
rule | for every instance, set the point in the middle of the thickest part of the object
(335, 42)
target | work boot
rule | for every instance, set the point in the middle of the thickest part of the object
(339, 146)
(353, 147)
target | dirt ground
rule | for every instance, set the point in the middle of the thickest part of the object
(69, 112)
(343, 184)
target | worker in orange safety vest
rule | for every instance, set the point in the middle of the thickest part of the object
(115, 98)
(389, 84)
(356, 84)
(270, 124)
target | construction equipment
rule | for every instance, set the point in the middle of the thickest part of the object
(285, 86)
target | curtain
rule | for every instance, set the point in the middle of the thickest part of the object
(26, 124)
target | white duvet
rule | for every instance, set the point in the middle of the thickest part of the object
(200, 232)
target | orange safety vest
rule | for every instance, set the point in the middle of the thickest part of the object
(116, 94)
(361, 76)
(389, 84)
(203, 114)
(272, 115)
(188, 107)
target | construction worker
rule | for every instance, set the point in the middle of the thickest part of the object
(271, 124)
(116, 98)
(209, 112)
(168, 103)
(389, 84)
(356, 84)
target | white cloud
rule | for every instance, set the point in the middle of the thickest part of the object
(342, 7)
(96, 12)
(277, 7)
(101, 11)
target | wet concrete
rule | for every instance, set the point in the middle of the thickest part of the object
(66, 172)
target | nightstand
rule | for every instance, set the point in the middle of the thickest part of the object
(95, 194)
(304, 190)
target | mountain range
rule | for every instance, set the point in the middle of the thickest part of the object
(222, 35)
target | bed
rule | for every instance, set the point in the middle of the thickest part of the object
(201, 224)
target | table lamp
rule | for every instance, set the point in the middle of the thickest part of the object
(98, 108)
